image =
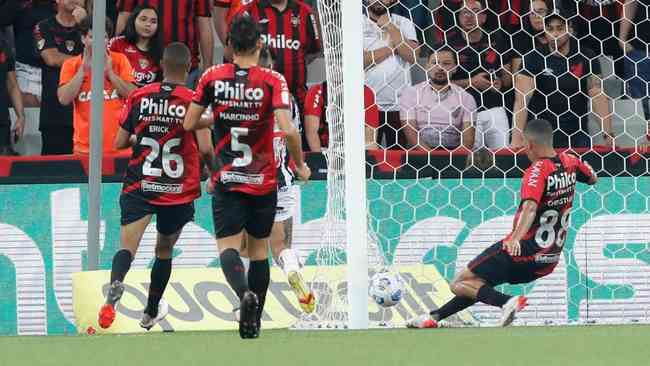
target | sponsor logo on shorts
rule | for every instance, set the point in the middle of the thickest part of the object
(547, 258)
(243, 178)
(148, 186)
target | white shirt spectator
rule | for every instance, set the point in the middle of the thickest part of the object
(389, 77)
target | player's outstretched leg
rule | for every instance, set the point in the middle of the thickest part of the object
(468, 289)
(130, 235)
(288, 260)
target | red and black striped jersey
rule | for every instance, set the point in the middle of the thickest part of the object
(164, 166)
(146, 70)
(243, 102)
(177, 19)
(551, 183)
(293, 33)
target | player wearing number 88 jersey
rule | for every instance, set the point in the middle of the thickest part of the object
(162, 179)
(533, 248)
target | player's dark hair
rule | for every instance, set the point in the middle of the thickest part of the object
(244, 34)
(86, 25)
(156, 41)
(539, 131)
(267, 57)
(177, 58)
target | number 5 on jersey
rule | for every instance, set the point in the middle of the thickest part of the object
(247, 157)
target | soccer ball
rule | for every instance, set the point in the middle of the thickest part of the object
(386, 288)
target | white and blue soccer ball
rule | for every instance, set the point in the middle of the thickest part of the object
(386, 288)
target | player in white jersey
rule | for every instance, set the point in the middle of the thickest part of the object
(281, 234)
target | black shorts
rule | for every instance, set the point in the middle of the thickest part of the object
(169, 219)
(234, 212)
(496, 266)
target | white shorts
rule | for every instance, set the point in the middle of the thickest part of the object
(29, 79)
(286, 203)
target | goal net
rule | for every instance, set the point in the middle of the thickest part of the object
(443, 177)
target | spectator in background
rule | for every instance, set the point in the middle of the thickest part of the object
(57, 39)
(484, 72)
(436, 113)
(317, 127)
(559, 87)
(185, 21)
(9, 91)
(389, 50)
(23, 16)
(597, 25)
(222, 15)
(635, 42)
(417, 12)
(142, 45)
(111, 9)
(531, 36)
(295, 46)
(75, 88)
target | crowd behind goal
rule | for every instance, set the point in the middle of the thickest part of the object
(583, 65)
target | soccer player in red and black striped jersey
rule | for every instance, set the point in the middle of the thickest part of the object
(532, 250)
(185, 21)
(162, 179)
(246, 102)
(291, 29)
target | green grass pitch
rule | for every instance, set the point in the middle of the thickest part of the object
(565, 346)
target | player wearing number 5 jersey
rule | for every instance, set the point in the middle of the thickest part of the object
(162, 179)
(246, 101)
(532, 250)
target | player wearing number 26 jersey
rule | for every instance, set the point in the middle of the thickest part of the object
(162, 179)
(533, 248)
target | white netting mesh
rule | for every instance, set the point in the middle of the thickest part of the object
(433, 206)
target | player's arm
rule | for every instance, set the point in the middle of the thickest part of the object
(193, 120)
(585, 173)
(294, 143)
(527, 215)
(123, 139)
(206, 149)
